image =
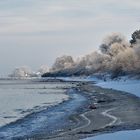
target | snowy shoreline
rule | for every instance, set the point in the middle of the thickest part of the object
(125, 84)
(85, 84)
(131, 86)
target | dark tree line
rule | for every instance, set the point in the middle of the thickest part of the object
(135, 36)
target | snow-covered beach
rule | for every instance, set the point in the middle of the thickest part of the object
(130, 85)
(75, 118)
(126, 84)
(69, 70)
(122, 135)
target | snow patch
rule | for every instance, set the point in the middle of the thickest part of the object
(124, 84)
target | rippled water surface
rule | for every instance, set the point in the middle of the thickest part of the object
(21, 97)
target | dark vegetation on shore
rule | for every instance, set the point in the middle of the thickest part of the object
(116, 56)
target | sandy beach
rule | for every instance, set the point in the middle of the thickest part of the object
(104, 111)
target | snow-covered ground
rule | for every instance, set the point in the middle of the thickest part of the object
(19, 98)
(124, 84)
(123, 135)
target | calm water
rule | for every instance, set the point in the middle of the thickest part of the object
(21, 97)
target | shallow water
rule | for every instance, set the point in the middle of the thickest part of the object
(19, 98)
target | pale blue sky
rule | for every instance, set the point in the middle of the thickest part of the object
(35, 32)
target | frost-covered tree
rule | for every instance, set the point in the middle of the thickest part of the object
(93, 62)
(21, 72)
(62, 62)
(111, 42)
(43, 69)
(117, 56)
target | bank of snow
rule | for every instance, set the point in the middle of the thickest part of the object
(124, 84)
(123, 135)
